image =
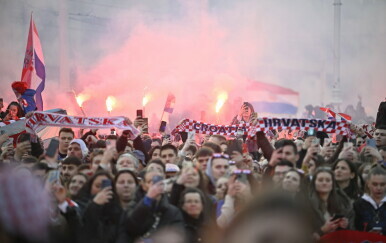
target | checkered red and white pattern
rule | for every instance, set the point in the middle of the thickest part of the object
(189, 125)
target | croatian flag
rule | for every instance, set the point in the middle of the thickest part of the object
(169, 107)
(170, 102)
(270, 98)
(34, 71)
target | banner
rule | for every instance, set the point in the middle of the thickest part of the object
(43, 119)
(351, 236)
(264, 124)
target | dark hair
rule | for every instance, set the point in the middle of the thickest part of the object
(215, 147)
(377, 170)
(40, 166)
(20, 111)
(285, 142)
(126, 172)
(169, 146)
(204, 152)
(153, 149)
(158, 162)
(85, 191)
(67, 130)
(352, 190)
(72, 160)
(84, 166)
(76, 174)
(30, 160)
(336, 202)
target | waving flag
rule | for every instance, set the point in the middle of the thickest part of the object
(334, 115)
(270, 98)
(34, 71)
(169, 107)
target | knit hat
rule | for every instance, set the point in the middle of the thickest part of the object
(82, 145)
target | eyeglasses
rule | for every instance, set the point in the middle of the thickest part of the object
(223, 156)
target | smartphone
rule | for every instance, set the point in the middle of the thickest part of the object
(162, 127)
(106, 183)
(311, 132)
(53, 177)
(145, 121)
(157, 179)
(377, 229)
(139, 113)
(191, 135)
(113, 132)
(24, 137)
(337, 216)
(52, 148)
(371, 143)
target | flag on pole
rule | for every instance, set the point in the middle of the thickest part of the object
(34, 71)
(169, 107)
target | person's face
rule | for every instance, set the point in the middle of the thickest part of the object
(377, 186)
(221, 186)
(67, 170)
(40, 174)
(280, 171)
(64, 141)
(155, 168)
(125, 186)
(359, 142)
(13, 111)
(168, 156)
(95, 162)
(246, 113)
(97, 184)
(366, 172)
(289, 154)
(75, 151)
(156, 154)
(192, 204)
(380, 137)
(202, 162)
(192, 178)
(125, 163)
(323, 182)
(75, 184)
(220, 167)
(291, 182)
(342, 172)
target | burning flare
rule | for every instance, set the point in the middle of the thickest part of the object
(221, 98)
(82, 98)
(110, 103)
(145, 100)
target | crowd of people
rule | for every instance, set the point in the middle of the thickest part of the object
(192, 188)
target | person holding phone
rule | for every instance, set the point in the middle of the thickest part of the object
(100, 209)
(328, 202)
(370, 209)
(153, 212)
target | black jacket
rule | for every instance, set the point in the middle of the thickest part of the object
(368, 215)
(147, 217)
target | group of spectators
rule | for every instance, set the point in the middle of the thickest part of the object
(164, 188)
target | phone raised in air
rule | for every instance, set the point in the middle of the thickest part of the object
(162, 127)
(139, 113)
(52, 148)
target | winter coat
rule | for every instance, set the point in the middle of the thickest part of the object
(368, 214)
(147, 217)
